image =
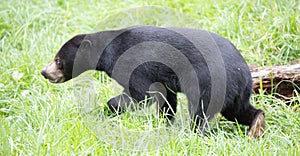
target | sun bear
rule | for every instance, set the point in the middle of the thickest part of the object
(204, 66)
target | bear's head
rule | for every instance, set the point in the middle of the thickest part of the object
(60, 69)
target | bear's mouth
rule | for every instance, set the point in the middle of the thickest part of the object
(57, 80)
(53, 73)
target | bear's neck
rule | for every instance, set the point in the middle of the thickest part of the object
(106, 63)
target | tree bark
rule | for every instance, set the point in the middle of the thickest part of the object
(283, 80)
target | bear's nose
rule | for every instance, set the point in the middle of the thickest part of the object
(43, 72)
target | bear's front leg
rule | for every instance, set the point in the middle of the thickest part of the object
(119, 104)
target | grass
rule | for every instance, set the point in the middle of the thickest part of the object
(39, 118)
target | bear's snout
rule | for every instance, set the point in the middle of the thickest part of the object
(53, 73)
(43, 72)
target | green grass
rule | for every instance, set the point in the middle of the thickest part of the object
(39, 118)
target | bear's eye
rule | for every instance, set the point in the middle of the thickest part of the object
(58, 63)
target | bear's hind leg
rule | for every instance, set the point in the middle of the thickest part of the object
(249, 116)
(257, 125)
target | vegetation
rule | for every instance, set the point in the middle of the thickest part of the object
(40, 118)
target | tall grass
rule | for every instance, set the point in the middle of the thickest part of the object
(39, 118)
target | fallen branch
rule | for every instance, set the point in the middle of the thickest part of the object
(283, 80)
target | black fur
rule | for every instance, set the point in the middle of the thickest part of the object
(239, 81)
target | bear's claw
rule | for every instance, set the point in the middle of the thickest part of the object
(257, 127)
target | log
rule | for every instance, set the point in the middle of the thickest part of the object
(283, 80)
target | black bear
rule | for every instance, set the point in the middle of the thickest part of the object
(206, 67)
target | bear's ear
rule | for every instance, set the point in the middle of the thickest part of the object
(78, 39)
